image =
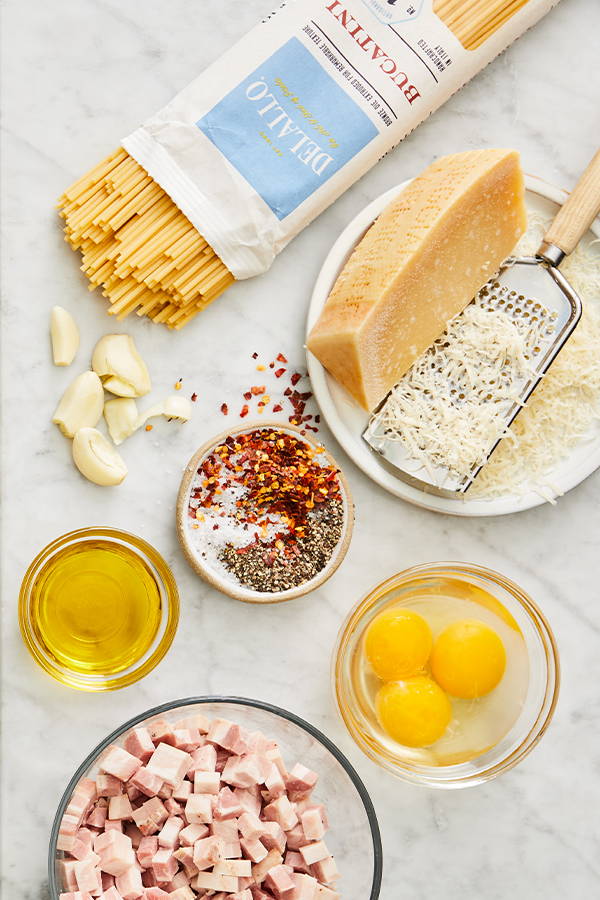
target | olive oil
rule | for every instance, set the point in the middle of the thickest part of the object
(95, 607)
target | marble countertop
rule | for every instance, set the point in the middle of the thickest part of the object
(77, 76)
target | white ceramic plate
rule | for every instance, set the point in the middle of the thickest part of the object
(348, 421)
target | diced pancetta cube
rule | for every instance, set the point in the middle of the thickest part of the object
(133, 833)
(188, 739)
(185, 855)
(282, 812)
(300, 782)
(204, 760)
(113, 825)
(211, 882)
(108, 785)
(66, 868)
(162, 732)
(111, 894)
(313, 853)
(83, 844)
(273, 836)
(258, 743)
(139, 743)
(250, 826)
(255, 851)
(305, 887)
(148, 847)
(242, 745)
(108, 881)
(274, 782)
(120, 807)
(166, 792)
(228, 806)
(312, 824)
(87, 875)
(134, 793)
(241, 868)
(207, 852)
(198, 809)
(326, 893)
(150, 816)
(97, 817)
(164, 864)
(274, 755)
(146, 782)
(206, 782)
(179, 880)
(293, 859)
(169, 763)
(243, 771)
(233, 850)
(149, 879)
(169, 834)
(197, 720)
(182, 791)
(115, 851)
(249, 799)
(326, 870)
(223, 733)
(272, 859)
(295, 837)
(129, 884)
(120, 763)
(278, 881)
(192, 833)
(173, 808)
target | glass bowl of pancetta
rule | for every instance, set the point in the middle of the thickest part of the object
(219, 797)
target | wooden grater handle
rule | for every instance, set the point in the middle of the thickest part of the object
(579, 210)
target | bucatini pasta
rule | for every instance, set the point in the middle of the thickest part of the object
(216, 184)
(474, 21)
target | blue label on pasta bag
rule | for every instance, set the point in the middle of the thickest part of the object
(288, 127)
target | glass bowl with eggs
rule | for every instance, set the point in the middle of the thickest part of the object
(446, 675)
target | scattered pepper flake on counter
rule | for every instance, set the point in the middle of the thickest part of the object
(194, 397)
(244, 411)
(224, 409)
(279, 503)
(281, 358)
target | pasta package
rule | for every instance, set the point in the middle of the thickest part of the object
(216, 184)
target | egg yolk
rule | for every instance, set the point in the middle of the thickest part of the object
(414, 712)
(398, 644)
(468, 659)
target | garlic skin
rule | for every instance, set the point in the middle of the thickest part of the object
(81, 404)
(122, 417)
(173, 407)
(64, 335)
(97, 459)
(120, 366)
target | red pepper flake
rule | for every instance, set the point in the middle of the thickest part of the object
(194, 397)
(279, 373)
(224, 409)
(295, 378)
(281, 358)
(247, 396)
(149, 427)
(271, 365)
(255, 356)
(317, 419)
(244, 411)
(258, 389)
(277, 408)
(287, 392)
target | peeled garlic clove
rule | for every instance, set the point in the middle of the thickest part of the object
(81, 404)
(97, 459)
(120, 366)
(64, 335)
(173, 407)
(121, 417)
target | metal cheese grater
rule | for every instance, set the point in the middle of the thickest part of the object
(525, 286)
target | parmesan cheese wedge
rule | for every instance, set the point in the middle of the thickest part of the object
(417, 267)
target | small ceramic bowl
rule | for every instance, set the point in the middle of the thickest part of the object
(229, 586)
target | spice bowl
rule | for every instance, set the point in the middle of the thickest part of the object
(266, 522)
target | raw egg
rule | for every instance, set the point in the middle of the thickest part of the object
(468, 659)
(398, 644)
(414, 712)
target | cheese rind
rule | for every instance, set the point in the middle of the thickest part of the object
(417, 267)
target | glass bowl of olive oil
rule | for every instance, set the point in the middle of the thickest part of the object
(98, 609)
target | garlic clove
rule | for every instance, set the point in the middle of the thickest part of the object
(173, 407)
(120, 366)
(64, 335)
(121, 416)
(97, 459)
(81, 404)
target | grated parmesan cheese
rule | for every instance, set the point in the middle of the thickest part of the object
(451, 407)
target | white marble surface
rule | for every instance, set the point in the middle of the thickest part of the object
(79, 75)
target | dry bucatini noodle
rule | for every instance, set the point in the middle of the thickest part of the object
(474, 21)
(138, 246)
